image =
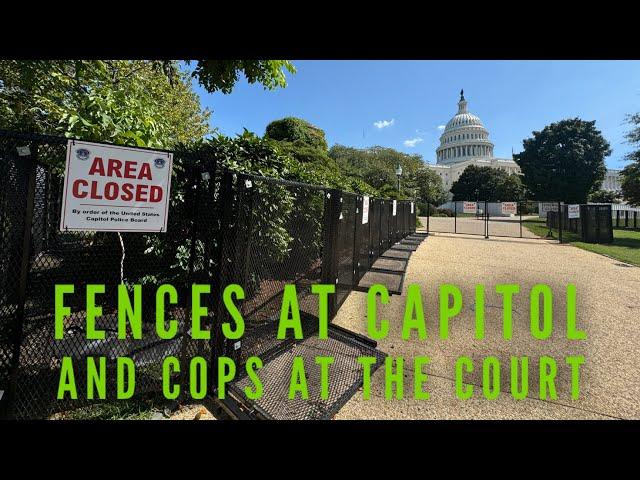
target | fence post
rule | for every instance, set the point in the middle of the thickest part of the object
(356, 242)
(626, 219)
(192, 201)
(617, 218)
(428, 215)
(486, 217)
(455, 217)
(520, 208)
(18, 326)
(330, 226)
(226, 248)
(559, 222)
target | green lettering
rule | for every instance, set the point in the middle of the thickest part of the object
(60, 310)
(290, 304)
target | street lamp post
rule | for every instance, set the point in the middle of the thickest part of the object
(399, 174)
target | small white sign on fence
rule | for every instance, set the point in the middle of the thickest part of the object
(544, 207)
(509, 208)
(365, 210)
(115, 189)
(395, 205)
(573, 211)
(469, 207)
(411, 207)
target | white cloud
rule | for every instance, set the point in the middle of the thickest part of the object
(412, 142)
(384, 123)
(440, 127)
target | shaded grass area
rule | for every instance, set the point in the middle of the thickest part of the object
(625, 246)
(141, 408)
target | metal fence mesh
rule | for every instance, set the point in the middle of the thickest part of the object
(224, 227)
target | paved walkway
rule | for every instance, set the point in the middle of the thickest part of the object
(608, 308)
(498, 226)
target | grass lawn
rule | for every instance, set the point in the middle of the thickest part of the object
(135, 409)
(625, 246)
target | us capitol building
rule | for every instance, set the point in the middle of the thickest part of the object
(465, 141)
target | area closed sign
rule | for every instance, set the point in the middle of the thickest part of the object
(509, 208)
(469, 207)
(115, 189)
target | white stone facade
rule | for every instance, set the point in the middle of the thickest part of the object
(465, 141)
(612, 180)
(450, 173)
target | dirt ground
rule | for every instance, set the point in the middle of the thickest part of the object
(608, 304)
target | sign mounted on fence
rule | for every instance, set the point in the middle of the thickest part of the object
(509, 208)
(573, 211)
(544, 207)
(395, 206)
(412, 208)
(469, 207)
(115, 189)
(365, 210)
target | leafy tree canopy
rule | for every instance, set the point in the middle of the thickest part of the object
(301, 132)
(222, 75)
(486, 184)
(631, 173)
(121, 101)
(376, 166)
(604, 196)
(429, 186)
(564, 161)
(139, 102)
(313, 165)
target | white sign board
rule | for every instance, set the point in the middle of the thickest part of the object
(365, 210)
(573, 211)
(469, 207)
(544, 207)
(395, 206)
(412, 207)
(509, 208)
(115, 189)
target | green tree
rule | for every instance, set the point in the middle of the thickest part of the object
(306, 144)
(631, 173)
(121, 101)
(376, 166)
(482, 183)
(604, 196)
(564, 161)
(509, 187)
(222, 75)
(296, 130)
(429, 186)
(139, 102)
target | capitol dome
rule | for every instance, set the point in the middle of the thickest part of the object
(464, 138)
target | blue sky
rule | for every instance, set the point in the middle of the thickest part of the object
(412, 98)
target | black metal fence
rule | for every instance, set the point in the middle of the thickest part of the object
(520, 219)
(224, 227)
(627, 219)
(594, 224)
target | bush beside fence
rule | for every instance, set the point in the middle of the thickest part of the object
(224, 227)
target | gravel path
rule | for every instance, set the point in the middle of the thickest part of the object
(608, 308)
